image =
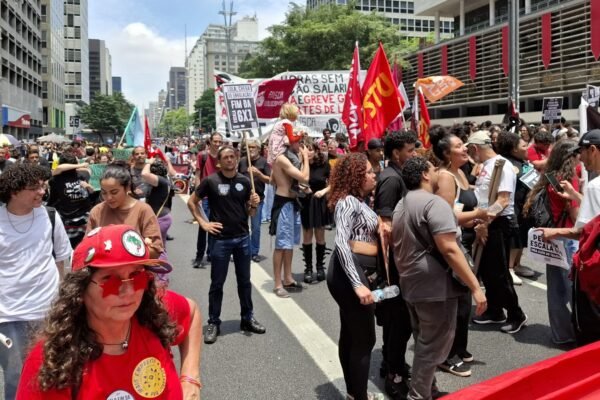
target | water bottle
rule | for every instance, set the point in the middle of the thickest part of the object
(388, 292)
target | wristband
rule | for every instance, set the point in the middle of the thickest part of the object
(189, 379)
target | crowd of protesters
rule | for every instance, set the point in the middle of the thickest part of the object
(419, 219)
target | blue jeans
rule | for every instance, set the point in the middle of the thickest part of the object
(202, 236)
(268, 202)
(559, 297)
(220, 257)
(11, 360)
(255, 226)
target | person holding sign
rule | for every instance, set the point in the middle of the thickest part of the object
(560, 167)
(495, 233)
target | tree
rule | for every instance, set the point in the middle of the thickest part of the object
(175, 123)
(107, 113)
(323, 39)
(206, 105)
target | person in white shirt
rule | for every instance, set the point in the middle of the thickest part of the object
(32, 255)
(493, 234)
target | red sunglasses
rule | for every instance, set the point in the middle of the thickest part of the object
(113, 284)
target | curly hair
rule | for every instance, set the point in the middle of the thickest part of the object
(506, 143)
(561, 163)
(412, 172)
(159, 168)
(397, 140)
(347, 178)
(17, 177)
(69, 343)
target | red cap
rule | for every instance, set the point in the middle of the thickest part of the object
(115, 246)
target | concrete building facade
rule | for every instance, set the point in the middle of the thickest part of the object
(53, 66)
(572, 65)
(21, 68)
(77, 67)
(117, 84)
(100, 68)
(176, 88)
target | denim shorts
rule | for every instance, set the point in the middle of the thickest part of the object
(288, 228)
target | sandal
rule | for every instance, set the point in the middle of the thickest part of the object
(294, 286)
(281, 292)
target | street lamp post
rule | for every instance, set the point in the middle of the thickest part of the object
(513, 51)
(227, 18)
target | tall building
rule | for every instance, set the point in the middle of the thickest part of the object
(477, 55)
(53, 66)
(77, 67)
(210, 54)
(100, 68)
(117, 84)
(21, 63)
(176, 86)
(401, 13)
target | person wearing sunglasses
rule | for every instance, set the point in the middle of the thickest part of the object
(108, 334)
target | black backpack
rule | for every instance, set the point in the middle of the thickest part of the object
(540, 213)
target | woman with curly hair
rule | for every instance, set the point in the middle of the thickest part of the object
(314, 214)
(353, 259)
(107, 334)
(563, 163)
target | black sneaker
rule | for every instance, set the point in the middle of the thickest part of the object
(455, 366)
(198, 264)
(488, 318)
(252, 325)
(256, 258)
(212, 331)
(514, 326)
(396, 387)
(466, 356)
(169, 237)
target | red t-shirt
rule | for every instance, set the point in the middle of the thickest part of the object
(145, 371)
(210, 166)
(533, 154)
(558, 204)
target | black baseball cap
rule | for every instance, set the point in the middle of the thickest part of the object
(375, 144)
(589, 139)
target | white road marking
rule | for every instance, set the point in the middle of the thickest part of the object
(536, 284)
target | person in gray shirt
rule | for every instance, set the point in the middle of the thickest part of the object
(426, 281)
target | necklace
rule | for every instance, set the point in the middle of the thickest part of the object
(124, 344)
(15, 228)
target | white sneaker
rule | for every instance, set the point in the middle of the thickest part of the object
(516, 280)
(523, 271)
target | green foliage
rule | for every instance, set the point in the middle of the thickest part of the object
(206, 104)
(323, 39)
(107, 113)
(175, 123)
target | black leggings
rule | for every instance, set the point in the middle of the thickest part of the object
(357, 332)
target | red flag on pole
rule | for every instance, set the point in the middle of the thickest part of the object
(352, 114)
(381, 100)
(421, 121)
(396, 125)
(271, 96)
(147, 136)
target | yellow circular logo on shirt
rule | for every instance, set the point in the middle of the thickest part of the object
(149, 378)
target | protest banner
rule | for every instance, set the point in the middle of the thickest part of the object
(96, 173)
(122, 154)
(551, 110)
(546, 252)
(241, 107)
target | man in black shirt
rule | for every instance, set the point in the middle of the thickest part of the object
(139, 188)
(393, 314)
(262, 175)
(231, 202)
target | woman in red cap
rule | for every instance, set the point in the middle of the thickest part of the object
(108, 335)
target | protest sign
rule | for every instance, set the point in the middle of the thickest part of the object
(96, 173)
(530, 178)
(122, 154)
(593, 95)
(551, 110)
(241, 107)
(546, 252)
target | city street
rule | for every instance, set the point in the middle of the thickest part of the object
(297, 357)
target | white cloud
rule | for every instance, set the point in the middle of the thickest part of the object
(143, 58)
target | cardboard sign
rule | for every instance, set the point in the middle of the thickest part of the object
(546, 252)
(551, 110)
(241, 106)
(97, 170)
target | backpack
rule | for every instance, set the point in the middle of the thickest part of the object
(52, 215)
(540, 213)
(587, 260)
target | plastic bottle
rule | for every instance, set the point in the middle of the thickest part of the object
(387, 292)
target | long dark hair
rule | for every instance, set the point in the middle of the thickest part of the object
(561, 162)
(69, 343)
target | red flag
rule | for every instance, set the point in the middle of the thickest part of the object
(147, 136)
(397, 124)
(352, 114)
(595, 28)
(546, 39)
(421, 121)
(381, 100)
(271, 96)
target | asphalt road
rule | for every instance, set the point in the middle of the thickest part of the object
(297, 357)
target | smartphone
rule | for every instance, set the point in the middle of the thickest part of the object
(554, 182)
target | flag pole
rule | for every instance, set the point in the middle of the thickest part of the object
(127, 127)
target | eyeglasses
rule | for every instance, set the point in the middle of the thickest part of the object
(113, 284)
(37, 188)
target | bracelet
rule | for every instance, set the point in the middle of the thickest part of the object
(189, 379)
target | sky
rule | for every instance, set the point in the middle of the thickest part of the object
(147, 37)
